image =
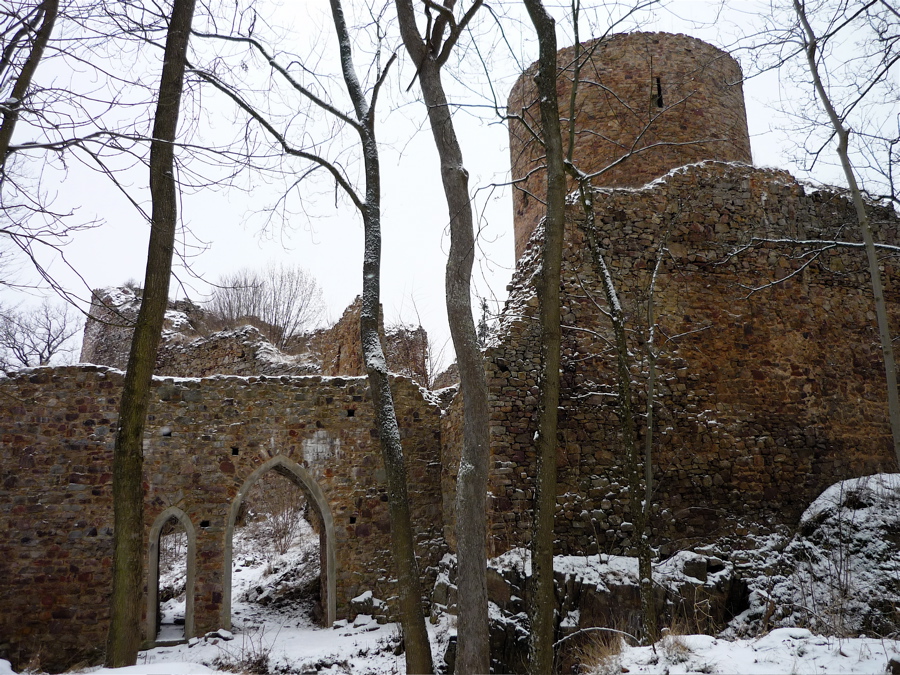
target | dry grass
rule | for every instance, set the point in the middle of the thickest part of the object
(597, 651)
(674, 647)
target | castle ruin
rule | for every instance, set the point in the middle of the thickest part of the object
(766, 393)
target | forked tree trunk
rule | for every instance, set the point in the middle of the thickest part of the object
(543, 601)
(46, 16)
(128, 494)
(412, 616)
(473, 646)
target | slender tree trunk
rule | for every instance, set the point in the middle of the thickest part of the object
(843, 136)
(642, 522)
(640, 500)
(47, 17)
(473, 645)
(412, 616)
(542, 601)
(640, 509)
(128, 494)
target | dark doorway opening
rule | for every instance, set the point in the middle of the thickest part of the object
(171, 590)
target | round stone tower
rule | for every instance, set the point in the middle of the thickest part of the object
(646, 103)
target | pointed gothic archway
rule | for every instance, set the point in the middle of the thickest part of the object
(151, 626)
(314, 495)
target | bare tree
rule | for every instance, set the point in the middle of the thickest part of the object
(361, 122)
(430, 52)
(542, 603)
(128, 494)
(286, 298)
(26, 31)
(51, 118)
(37, 336)
(278, 506)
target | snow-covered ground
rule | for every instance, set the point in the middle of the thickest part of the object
(366, 648)
(274, 605)
(782, 651)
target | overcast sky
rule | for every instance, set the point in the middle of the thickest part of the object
(328, 240)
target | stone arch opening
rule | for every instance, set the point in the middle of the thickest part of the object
(166, 519)
(321, 512)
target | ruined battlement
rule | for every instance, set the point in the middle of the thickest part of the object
(194, 344)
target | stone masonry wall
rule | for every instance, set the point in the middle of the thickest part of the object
(763, 398)
(203, 439)
(339, 351)
(655, 100)
(190, 348)
(241, 351)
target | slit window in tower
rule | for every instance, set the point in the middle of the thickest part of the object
(659, 98)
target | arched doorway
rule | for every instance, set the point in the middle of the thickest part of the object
(168, 524)
(321, 514)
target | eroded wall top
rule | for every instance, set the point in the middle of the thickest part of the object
(646, 103)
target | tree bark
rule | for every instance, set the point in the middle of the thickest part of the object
(639, 507)
(543, 602)
(128, 494)
(412, 616)
(843, 136)
(473, 644)
(47, 15)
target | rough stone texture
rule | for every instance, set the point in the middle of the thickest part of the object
(192, 345)
(406, 351)
(619, 112)
(338, 348)
(204, 438)
(339, 351)
(114, 311)
(451, 451)
(448, 378)
(764, 398)
(241, 351)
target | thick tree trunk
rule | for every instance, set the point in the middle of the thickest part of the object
(543, 601)
(473, 646)
(412, 616)
(843, 136)
(47, 17)
(128, 494)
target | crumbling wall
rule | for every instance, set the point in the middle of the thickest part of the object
(241, 351)
(764, 397)
(193, 345)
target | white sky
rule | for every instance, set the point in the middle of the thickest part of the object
(415, 240)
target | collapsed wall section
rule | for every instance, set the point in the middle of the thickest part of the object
(195, 344)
